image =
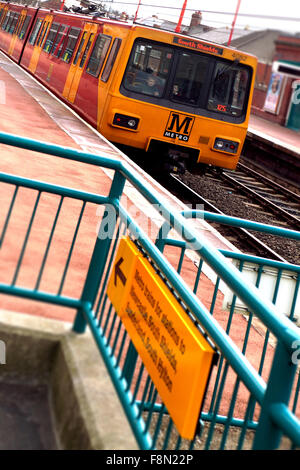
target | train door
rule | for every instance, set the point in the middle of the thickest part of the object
(42, 30)
(79, 61)
(16, 32)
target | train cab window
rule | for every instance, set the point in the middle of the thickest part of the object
(148, 69)
(111, 59)
(86, 50)
(98, 55)
(190, 78)
(71, 44)
(229, 89)
(50, 38)
(59, 40)
(24, 27)
(35, 31)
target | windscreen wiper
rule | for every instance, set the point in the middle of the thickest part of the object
(227, 67)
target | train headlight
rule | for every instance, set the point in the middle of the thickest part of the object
(225, 145)
(128, 122)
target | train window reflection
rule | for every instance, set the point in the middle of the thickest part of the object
(43, 33)
(80, 48)
(35, 31)
(9, 19)
(87, 48)
(148, 69)
(13, 23)
(59, 40)
(98, 55)
(228, 89)
(111, 59)
(190, 77)
(71, 44)
(51, 36)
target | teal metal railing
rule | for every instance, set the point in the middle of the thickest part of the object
(252, 398)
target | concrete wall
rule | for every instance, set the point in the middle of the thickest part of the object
(86, 411)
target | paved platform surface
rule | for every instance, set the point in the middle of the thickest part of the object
(25, 422)
(278, 136)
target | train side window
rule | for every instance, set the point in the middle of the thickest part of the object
(59, 40)
(35, 31)
(43, 33)
(98, 55)
(86, 50)
(9, 21)
(80, 48)
(71, 44)
(20, 24)
(4, 17)
(6, 20)
(50, 38)
(13, 23)
(111, 59)
(1, 14)
(24, 27)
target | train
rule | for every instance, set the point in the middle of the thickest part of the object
(183, 101)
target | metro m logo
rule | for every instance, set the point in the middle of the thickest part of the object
(179, 126)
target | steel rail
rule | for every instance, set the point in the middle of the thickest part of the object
(287, 192)
(291, 219)
(194, 197)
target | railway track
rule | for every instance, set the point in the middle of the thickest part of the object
(238, 236)
(247, 194)
(274, 197)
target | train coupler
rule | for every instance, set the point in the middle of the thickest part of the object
(175, 164)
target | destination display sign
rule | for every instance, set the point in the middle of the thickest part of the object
(176, 355)
(197, 45)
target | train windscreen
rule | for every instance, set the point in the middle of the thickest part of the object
(188, 78)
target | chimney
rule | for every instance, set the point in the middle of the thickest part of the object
(196, 19)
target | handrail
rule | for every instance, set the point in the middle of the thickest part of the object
(284, 329)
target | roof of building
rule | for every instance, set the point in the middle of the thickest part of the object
(154, 22)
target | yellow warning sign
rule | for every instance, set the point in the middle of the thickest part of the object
(177, 356)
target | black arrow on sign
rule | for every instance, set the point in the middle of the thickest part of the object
(119, 273)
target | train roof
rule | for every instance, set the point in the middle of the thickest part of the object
(131, 25)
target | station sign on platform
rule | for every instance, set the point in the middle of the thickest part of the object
(176, 355)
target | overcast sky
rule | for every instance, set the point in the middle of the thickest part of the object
(272, 8)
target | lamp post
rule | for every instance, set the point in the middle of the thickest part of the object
(233, 23)
(178, 27)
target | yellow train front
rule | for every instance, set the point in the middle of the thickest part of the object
(184, 101)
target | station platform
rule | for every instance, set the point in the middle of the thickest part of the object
(279, 137)
(31, 111)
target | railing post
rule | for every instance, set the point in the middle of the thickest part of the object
(101, 249)
(279, 388)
